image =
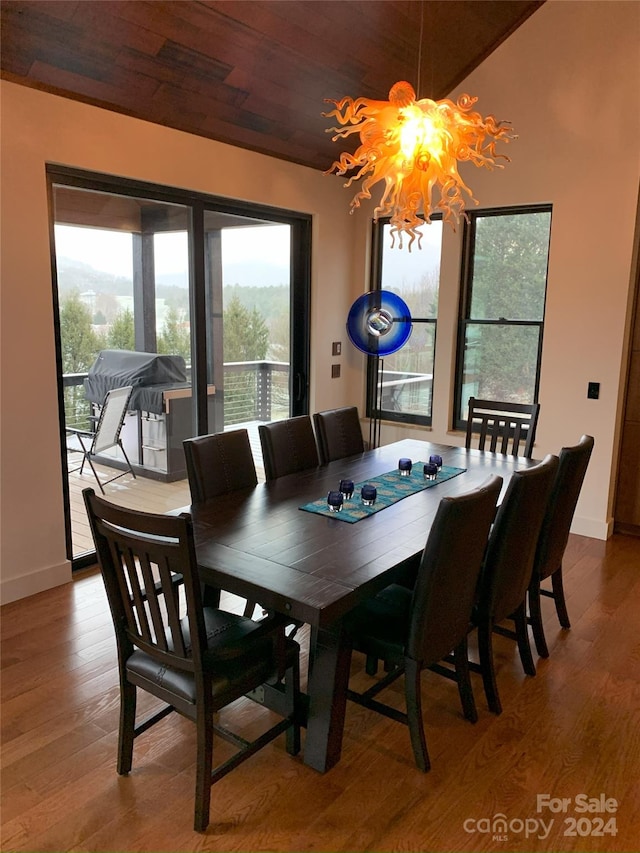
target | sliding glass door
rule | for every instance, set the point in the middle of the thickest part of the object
(188, 300)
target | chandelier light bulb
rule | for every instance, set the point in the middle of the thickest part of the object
(414, 146)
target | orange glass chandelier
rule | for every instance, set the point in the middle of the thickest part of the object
(414, 146)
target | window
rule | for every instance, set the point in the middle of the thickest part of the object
(504, 282)
(210, 284)
(404, 380)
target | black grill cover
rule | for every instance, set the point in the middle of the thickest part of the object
(148, 372)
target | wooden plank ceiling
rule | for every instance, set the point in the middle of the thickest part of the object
(252, 73)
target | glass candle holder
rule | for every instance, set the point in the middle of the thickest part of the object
(436, 460)
(334, 501)
(346, 487)
(404, 466)
(430, 471)
(368, 494)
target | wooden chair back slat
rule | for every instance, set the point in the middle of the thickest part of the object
(502, 427)
(140, 575)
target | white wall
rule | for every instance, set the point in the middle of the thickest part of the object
(569, 81)
(38, 128)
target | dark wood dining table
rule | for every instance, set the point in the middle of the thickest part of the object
(259, 544)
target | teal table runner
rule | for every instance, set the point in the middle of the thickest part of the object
(391, 487)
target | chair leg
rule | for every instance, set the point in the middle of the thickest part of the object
(522, 635)
(124, 453)
(535, 615)
(204, 762)
(371, 665)
(126, 734)
(413, 697)
(558, 597)
(95, 473)
(485, 649)
(463, 679)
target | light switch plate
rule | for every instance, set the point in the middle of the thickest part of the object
(336, 348)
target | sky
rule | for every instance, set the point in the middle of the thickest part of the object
(111, 252)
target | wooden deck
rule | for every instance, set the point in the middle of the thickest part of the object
(137, 493)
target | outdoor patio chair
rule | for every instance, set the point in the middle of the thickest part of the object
(105, 436)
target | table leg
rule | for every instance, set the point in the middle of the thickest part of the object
(329, 662)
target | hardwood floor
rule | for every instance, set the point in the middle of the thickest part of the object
(573, 729)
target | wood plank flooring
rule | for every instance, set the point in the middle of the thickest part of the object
(573, 729)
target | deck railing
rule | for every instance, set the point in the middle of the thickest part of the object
(253, 391)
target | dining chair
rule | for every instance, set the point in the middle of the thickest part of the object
(338, 433)
(554, 535)
(219, 464)
(105, 435)
(507, 569)
(196, 665)
(502, 426)
(412, 630)
(288, 446)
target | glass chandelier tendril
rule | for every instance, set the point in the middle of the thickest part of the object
(414, 146)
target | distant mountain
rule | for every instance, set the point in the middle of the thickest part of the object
(244, 273)
(255, 274)
(74, 275)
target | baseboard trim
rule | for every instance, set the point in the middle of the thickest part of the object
(592, 528)
(13, 589)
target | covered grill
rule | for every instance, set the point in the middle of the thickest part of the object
(159, 410)
(149, 373)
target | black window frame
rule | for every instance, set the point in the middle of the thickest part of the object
(198, 202)
(373, 362)
(464, 305)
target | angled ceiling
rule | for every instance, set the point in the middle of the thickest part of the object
(253, 73)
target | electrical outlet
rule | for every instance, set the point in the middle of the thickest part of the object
(335, 371)
(593, 390)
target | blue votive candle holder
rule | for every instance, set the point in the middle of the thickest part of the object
(334, 501)
(368, 494)
(436, 460)
(430, 471)
(346, 487)
(404, 466)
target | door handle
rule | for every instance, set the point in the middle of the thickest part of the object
(299, 385)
